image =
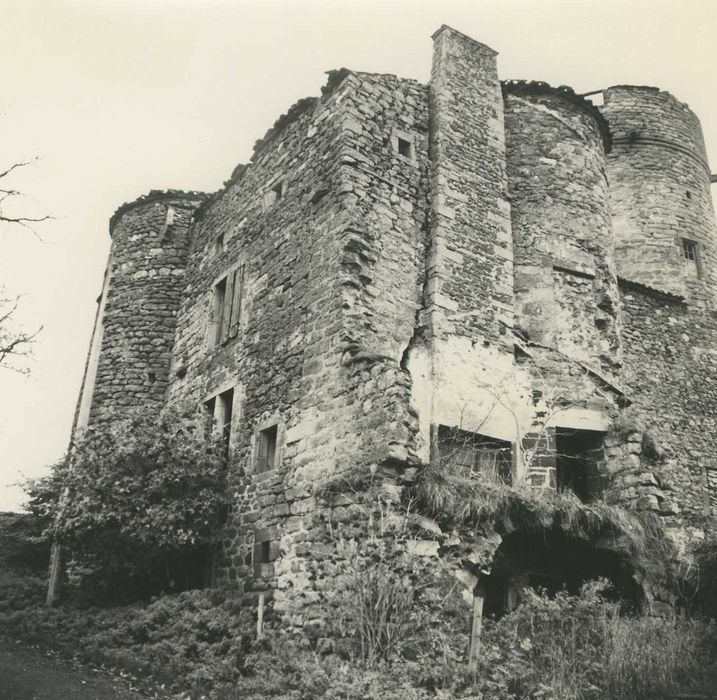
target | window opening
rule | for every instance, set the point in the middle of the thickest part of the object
(220, 297)
(266, 449)
(405, 148)
(228, 302)
(691, 255)
(209, 407)
(274, 193)
(226, 402)
(474, 454)
(219, 244)
(579, 457)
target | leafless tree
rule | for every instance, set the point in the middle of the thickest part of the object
(15, 343)
(8, 193)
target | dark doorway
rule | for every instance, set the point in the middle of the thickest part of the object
(554, 561)
(579, 456)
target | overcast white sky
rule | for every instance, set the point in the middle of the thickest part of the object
(119, 97)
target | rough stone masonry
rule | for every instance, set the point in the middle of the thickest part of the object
(404, 270)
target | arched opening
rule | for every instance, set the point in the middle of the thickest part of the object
(555, 561)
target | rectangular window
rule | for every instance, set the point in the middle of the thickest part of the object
(219, 244)
(405, 148)
(403, 144)
(474, 454)
(266, 448)
(227, 305)
(691, 255)
(266, 551)
(226, 404)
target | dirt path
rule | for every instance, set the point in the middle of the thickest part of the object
(27, 674)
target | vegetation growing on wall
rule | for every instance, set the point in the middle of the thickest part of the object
(137, 504)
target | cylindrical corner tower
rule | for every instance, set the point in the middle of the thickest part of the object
(663, 218)
(129, 357)
(565, 282)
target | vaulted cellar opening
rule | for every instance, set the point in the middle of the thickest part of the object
(555, 561)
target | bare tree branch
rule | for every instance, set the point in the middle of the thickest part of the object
(7, 192)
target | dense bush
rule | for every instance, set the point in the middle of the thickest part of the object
(562, 648)
(193, 640)
(137, 506)
(24, 555)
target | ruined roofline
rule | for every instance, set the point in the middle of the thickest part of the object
(566, 93)
(649, 88)
(156, 196)
(336, 78)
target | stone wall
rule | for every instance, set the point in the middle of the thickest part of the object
(150, 238)
(670, 350)
(398, 257)
(566, 287)
(659, 191)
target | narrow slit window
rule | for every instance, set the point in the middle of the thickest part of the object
(266, 449)
(691, 255)
(209, 407)
(219, 244)
(226, 402)
(220, 299)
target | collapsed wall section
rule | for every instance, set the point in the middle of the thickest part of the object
(661, 204)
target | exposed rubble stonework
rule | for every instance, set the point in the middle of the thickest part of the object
(500, 274)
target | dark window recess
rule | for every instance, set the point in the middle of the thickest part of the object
(275, 193)
(226, 400)
(579, 457)
(691, 254)
(405, 148)
(266, 449)
(712, 489)
(475, 454)
(228, 303)
(266, 551)
(219, 244)
(209, 406)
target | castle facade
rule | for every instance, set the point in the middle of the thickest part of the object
(499, 272)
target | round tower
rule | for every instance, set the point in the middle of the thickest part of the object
(134, 331)
(565, 282)
(661, 203)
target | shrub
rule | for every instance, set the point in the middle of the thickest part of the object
(141, 502)
(388, 604)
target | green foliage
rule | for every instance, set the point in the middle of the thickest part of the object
(141, 502)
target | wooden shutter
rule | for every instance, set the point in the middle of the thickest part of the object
(237, 300)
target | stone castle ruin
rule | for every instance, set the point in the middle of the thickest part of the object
(494, 277)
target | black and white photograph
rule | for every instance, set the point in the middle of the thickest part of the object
(358, 350)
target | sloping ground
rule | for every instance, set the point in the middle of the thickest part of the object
(27, 674)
